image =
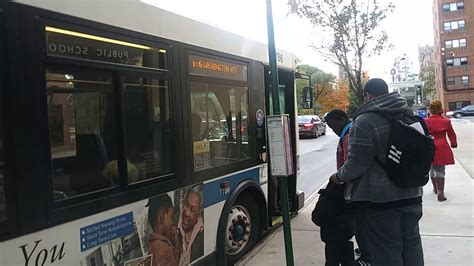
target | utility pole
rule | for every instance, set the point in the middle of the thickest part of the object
(282, 180)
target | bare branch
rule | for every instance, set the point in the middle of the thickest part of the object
(352, 29)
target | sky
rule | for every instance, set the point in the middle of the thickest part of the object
(408, 27)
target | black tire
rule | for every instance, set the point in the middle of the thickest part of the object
(247, 202)
(458, 115)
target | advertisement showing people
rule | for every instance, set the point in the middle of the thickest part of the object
(163, 242)
(167, 229)
(191, 224)
(174, 233)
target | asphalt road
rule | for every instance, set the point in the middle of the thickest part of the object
(318, 156)
(317, 161)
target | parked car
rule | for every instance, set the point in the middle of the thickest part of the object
(422, 112)
(311, 126)
(465, 111)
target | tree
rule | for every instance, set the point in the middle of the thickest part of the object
(320, 80)
(351, 28)
(336, 97)
(429, 82)
(353, 104)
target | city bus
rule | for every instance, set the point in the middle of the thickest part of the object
(130, 135)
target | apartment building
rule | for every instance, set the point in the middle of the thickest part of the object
(454, 52)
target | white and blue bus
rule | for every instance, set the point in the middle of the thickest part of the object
(130, 135)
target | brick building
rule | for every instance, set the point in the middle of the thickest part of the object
(454, 52)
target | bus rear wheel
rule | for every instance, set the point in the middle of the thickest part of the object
(243, 227)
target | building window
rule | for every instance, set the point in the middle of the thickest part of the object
(450, 81)
(459, 80)
(455, 43)
(453, 6)
(447, 26)
(459, 61)
(454, 25)
(448, 44)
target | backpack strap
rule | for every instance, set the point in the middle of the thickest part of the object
(392, 121)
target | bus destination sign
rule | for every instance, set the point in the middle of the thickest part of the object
(208, 67)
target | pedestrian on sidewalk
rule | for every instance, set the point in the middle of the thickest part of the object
(339, 122)
(439, 127)
(332, 213)
(389, 214)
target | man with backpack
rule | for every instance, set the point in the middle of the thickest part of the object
(388, 205)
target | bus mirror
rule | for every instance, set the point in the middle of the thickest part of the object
(307, 98)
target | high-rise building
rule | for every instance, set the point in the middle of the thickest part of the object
(426, 60)
(454, 52)
(342, 74)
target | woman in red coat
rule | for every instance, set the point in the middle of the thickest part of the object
(439, 126)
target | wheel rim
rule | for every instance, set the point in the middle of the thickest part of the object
(239, 228)
(458, 115)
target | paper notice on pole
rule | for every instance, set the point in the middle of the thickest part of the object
(280, 150)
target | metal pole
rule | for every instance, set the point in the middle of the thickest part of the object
(272, 58)
(282, 180)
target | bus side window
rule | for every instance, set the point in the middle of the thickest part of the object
(3, 207)
(81, 114)
(147, 127)
(223, 135)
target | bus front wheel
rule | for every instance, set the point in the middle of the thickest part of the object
(242, 230)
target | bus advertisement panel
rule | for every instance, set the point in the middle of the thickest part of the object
(168, 229)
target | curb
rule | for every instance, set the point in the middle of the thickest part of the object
(272, 233)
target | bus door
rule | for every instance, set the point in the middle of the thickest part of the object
(287, 106)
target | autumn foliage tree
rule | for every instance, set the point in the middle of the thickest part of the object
(320, 81)
(335, 98)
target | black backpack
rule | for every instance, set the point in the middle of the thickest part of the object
(410, 152)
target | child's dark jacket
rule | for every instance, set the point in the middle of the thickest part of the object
(333, 214)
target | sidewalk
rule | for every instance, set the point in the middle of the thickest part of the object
(447, 228)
